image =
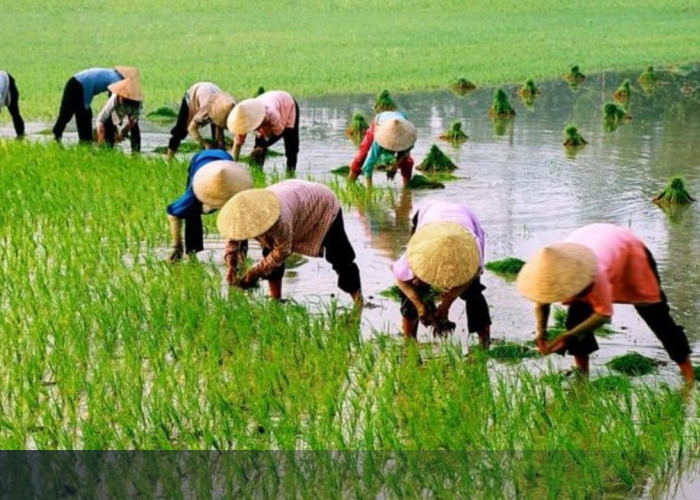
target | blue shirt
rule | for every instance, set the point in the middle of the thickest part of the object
(95, 81)
(188, 202)
(378, 155)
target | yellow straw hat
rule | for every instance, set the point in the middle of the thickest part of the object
(443, 254)
(128, 72)
(557, 272)
(249, 214)
(216, 182)
(220, 105)
(128, 88)
(395, 134)
(247, 115)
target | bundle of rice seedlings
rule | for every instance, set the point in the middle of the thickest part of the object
(610, 383)
(341, 170)
(436, 161)
(421, 182)
(185, 147)
(500, 107)
(614, 113)
(357, 128)
(261, 90)
(623, 92)
(508, 267)
(455, 134)
(574, 76)
(674, 193)
(648, 77)
(393, 293)
(529, 89)
(633, 364)
(162, 114)
(572, 137)
(462, 86)
(511, 352)
(384, 102)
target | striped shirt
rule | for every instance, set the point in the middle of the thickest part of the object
(308, 210)
(280, 112)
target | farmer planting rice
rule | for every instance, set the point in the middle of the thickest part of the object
(212, 178)
(9, 96)
(120, 115)
(446, 252)
(290, 216)
(388, 141)
(272, 115)
(78, 94)
(204, 104)
(594, 267)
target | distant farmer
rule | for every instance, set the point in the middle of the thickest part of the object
(213, 177)
(290, 216)
(272, 115)
(78, 94)
(445, 252)
(120, 115)
(204, 104)
(9, 96)
(590, 270)
(388, 141)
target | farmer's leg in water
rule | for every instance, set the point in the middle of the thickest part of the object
(135, 138)
(341, 255)
(83, 120)
(291, 142)
(478, 316)
(274, 279)
(13, 108)
(179, 131)
(581, 348)
(405, 165)
(71, 102)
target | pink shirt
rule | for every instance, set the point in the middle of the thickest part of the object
(280, 112)
(624, 274)
(442, 211)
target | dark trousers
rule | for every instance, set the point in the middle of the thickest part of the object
(73, 103)
(657, 316)
(134, 136)
(478, 316)
(339, 252)
(291, 143)
(179, 131)
(13, 108)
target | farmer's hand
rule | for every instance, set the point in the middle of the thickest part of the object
(427, 318)
(247, 281)
(541, 344)
(391, 173)
(555, 345)
(118, 137)
(258, 155)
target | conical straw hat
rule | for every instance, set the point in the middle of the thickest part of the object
(443, 254)
(216, 182)
(129, 88)
(128, 72)
(395, 134)
(557, 272)
(220, 106)
(249, 214)
(246, 116)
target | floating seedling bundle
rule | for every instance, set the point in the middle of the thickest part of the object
(436, 161)
(385, 102)
(162, 114)
(613, 115)
(455, 135)
(357, 128)
(529, 89)
(574, 76)
(421, 182)
(500, 107)
(508, 267)
(623, 92)
(633, 364)
(648, 78)
(572, 137)
(674, 193)
(462, 86)
(511, 352)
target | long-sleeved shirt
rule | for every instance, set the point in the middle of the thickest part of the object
(623, 271)
(95, 81)
(307, 211)
(4, 89)
(442, 211)
(122, 116)
(371, 153)
(280, 112)
(203, 103)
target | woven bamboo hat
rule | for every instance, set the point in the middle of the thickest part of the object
(247, 115)
(443, 254)
(220, 106)
(249, 214)
(128, 72)
(216, 182)
(395, 134)
(557, 272)
(128, 88)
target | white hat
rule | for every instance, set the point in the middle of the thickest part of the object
(219, 180)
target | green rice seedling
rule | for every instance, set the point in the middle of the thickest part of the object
(357, 128)
(623, 92)
(611, 383)
(261, 90)
(455, 135)
(385, 102)
(185, 147)
(341, 170)
(500, 106)
(675, 193)
(436, 161)
(507, 268)
(648, 78)
(613, 116)
(462, 86)
(511, 352)
(422, 182)
(574, 77)
(529, 89)
(633, 364)
(162, 114)
(573, 138)
(393, 293)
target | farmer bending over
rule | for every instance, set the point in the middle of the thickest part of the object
(388, 141)
(290, 216)
(212, 178)
(9, 96)
(120, 115)
(594, 267)
(204, 104)
(446, 251)
(272, 115)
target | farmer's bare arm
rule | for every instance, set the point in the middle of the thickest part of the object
(199, 120)
(232, 258)
(588, 325)
(541, 318)
(410, 292)
(448, 298)
(100, 133)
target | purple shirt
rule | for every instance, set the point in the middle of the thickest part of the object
(442, 211)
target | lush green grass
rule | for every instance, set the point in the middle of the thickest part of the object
(321, 47)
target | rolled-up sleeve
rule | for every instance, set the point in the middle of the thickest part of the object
(281, 234)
